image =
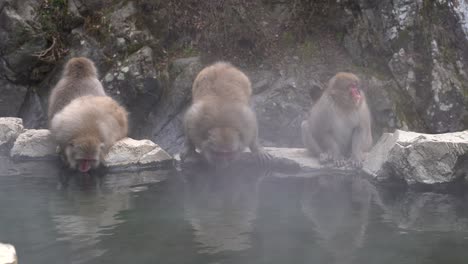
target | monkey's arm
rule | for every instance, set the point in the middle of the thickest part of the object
(255, 147)
(308, 139)
(192, 120)
(362, 136)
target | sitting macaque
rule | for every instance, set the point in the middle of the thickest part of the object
(339, 124)
(220, 122)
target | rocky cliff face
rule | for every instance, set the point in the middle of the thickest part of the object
(411, 55)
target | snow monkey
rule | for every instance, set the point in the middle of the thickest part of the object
(220, 122)
(83, 121)
(86, 128)
(339, 124)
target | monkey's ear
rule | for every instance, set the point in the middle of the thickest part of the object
(101, 146)
(71, 144)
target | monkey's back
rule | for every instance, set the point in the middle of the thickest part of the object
(98, 116)
(79, 78)
(67, 90)
(208, 114)
(222, 81)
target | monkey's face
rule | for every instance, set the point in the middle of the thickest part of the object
(84, 154)
(347, 89)
(222, 147)
(355, 93)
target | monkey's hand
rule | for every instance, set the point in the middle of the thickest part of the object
(264, 157)
(355, 162)
(339, 161)
(328, 157)
(325, 158)
(260, 153)
(189, 155)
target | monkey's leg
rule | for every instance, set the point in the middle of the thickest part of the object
(260, 152)
(333, 151)
(189, 151)
(356, 149)
(309, 141)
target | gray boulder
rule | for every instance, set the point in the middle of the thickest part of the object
(128, 153)
(10, 129)
(418, 158)
(33, 144)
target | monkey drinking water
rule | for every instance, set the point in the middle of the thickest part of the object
(220, 122)
(83, 121)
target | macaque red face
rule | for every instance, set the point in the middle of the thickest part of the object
(355, 93)
(345, 90)
(84, 154)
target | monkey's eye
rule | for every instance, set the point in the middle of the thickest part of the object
(71, 145)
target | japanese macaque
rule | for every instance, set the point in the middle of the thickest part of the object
(86, 128)
(220, 122)
(339, 124)
(79, 78)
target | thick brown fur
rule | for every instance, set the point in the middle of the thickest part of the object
(79, 78)
(220, 122)
(339, 124)
(86, 128)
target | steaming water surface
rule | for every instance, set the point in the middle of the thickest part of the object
(241, 216)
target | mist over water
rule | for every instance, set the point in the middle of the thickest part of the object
(238, 216)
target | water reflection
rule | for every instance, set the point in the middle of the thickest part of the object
(221, 208)
(83, 210)
(427, 211)
(237, 216)
(88, 206)
(338, 209)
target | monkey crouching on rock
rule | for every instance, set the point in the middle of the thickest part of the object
(83, 120)
(220, 122)
(339, 124)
